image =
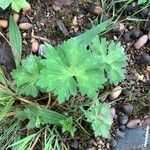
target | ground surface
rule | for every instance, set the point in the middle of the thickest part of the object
(45, 19)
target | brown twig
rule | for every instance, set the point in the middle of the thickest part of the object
(35, 142)
(1, 34)
(41, 38)
(29, 102)
(49, 100)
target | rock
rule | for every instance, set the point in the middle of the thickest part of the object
(3, 24)
(138, 77)
(113, 112)
(141, 42)
(115, 93)
(113, 143)
(120, 134)
(35, 46)
(145, 59)
(127, 36)
(25, 26)
(62, 27)
(16, 17)
(128, 108)
(87, 24)
(127, 92)
(118, 27)
(94, 8)
(133, 123)
(136, 34)
(24, 19)
(122, 127)
(41, 49)
(74, 144)
(76, 33)
(129, 9)
(121, 27)
(123, 119)
(145, 12)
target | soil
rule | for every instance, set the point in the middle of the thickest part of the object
(45, 20)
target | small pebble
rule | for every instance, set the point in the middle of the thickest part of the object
(145, 59)
(129, 9)
(3, 24)
(133, 123)
(138, 77)
(75, 144)
(113, 143)
(113, 112)
(94, 8)
(136, 34)
(141, 42)
(62, 27)
(120, 134)
(122, 127)
(87, 24)
(123, 119)
(25, 26)
(41, 49)
(127, 92)
(116, 93)
(35, 46)
(16, 17)
(121, 27)
(145, 12)
(128, 108)
(127, 36)
(23, 19)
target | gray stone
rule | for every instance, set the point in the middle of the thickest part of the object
(123, 119)
(120, 134)
(128, 108)
(74, 144)
(133, 123)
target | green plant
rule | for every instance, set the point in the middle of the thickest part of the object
(113, 59)
(26, 76)
(15, 40)
(142, 1)
(99, 115)
(16, 5)
(84, 65)
(40, 116)
(71, 66)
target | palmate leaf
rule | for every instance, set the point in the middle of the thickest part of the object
(113, 58)
(17, 5)
(70, 67)
(5, 3)
(100, 118)
(26, 76)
